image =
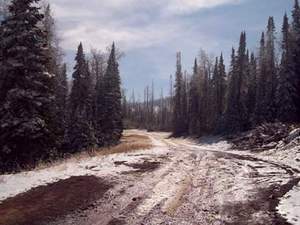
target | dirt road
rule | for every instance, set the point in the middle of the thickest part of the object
(177, 182)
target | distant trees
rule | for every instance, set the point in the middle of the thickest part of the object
(39, 118)
(179, 115)
(256, 89)
(237, 114)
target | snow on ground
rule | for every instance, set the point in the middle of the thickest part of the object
(225, 179)
(288, 155)
(14, 184)
(289, 206)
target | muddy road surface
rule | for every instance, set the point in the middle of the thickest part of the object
(176, 182)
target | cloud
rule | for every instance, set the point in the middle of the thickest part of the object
(189, 6)
(131, 23)
(127, 38)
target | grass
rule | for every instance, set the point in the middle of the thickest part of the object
(130, 142)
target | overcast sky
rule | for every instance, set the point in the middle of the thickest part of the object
(150, 32)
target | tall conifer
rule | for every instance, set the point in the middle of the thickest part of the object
(26, 88)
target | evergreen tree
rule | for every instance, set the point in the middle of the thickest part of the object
(261, 105)
(80, 130)
(56, 68)
(214, 90)
(99, 109)
(219, 91)
(194, 96)
(26, 92)
(296, 54)
(185, 103)
(178, 114)
(271, 72)
(251, 99)
(237, 118)
(112, 125)
(286, 92)
(205, 67)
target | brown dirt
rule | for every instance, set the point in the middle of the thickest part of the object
(146, 166)
(45, 203)
(266, 201)
(116, 222)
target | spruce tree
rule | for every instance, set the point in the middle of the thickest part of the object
(296, 54)
(237, 118)
(286, 91)
(261, 105)
(112, 125)
(251, 99)
(55, 67)
(185, 103)
(99, 109)
(194, 98)
(80, 125)
(26, 91)
(178, 114)
(219, 89)
(214, 90)
(271, 72)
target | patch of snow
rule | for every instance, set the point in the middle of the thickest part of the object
(14, 184)
(289, 206)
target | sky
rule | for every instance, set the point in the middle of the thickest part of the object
(150, 32)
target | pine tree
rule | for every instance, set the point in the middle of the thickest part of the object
(26, 92)
(80, 130)
(99, 109)
(261, 105)
(205, 67)
(271, 72)
(55, 67)
(185, 103)
(194, 96)
(286, 92)
(112, 126)
(237, 118)
(296, 54)
(178, 114)
(219, 89)
(251, 99)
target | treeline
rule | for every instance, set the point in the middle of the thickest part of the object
(262, 87)
(149, 114)
(40, 116)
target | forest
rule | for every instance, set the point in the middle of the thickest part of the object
(42, 115)
(218, 144)
(258, 87)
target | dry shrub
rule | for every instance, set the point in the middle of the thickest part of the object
(130, 142)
